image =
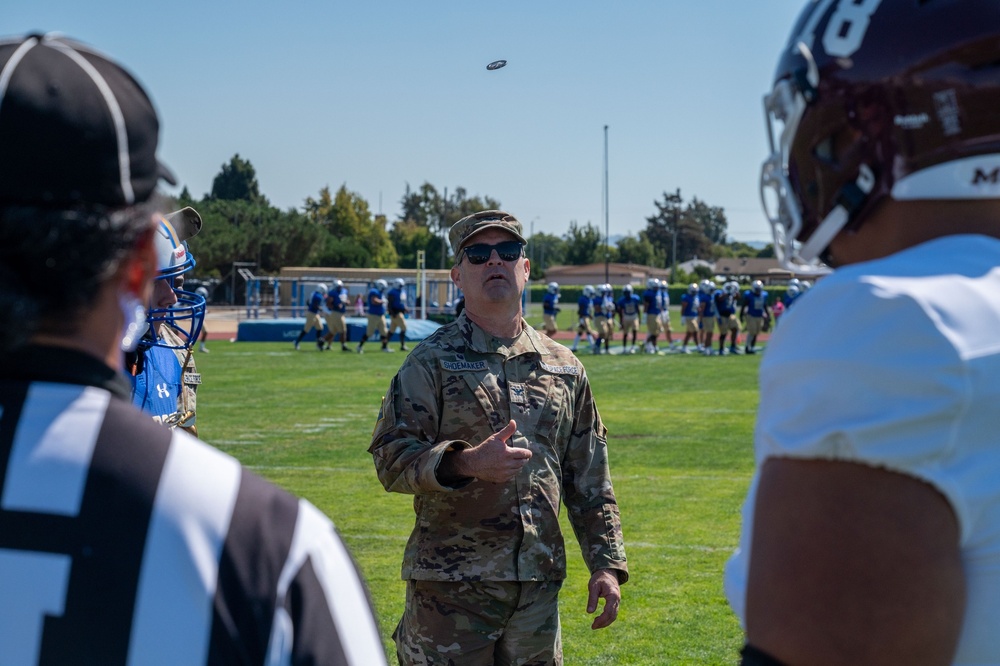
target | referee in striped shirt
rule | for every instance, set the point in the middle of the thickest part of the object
(122, 542)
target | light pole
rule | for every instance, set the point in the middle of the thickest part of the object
(444, 229)
(607, 235)
(673, 257)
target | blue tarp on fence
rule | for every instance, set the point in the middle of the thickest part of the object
(287, 329)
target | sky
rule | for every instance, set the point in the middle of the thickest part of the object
(378, 95)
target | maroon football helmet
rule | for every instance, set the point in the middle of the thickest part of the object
(877, 98)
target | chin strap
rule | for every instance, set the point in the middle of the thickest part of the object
(850, 199)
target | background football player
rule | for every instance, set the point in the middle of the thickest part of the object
(584, 315)
(550, 308)
(396, 303)
(314, 316)
(756, 311)
(629, 307)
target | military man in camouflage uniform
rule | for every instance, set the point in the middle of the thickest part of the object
(491, 425)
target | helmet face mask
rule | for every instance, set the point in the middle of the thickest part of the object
(862, 111)
(185, 318)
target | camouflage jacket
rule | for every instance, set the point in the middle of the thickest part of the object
(187, 396)
(457, 388)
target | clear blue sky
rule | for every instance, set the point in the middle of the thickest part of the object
(376, 95)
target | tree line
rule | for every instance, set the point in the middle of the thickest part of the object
(340, 229)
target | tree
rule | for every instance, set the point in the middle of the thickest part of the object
(675, 227)
(662, 227)
(236, 230)
(584, 245)
(237, 181)
(545, 250)
(408, 238)
(438, 212)
(640, 251)
(767, 252)
(711, 219)
(352, 238)
(421, 207)
(734, 249)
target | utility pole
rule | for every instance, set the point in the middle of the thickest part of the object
(607, 235)
(444, 230)
(673, 259)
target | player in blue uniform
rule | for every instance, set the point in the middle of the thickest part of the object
(707, 313)
(689, 318)
(336, 319)
(725, 303)
(791, 294)
(585, 314)
(757, 313)
(629, 309)
(664, 305)
(376, 316)
(651, 306)
(604, 313)
(314, 316)
(550, 308)
(396, 303)
(161, 370)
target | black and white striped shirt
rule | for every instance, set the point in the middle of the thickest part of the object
(122, 542)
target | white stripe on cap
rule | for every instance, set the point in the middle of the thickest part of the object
(124, 165)
(11, 65)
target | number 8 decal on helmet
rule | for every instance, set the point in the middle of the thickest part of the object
(852, 122)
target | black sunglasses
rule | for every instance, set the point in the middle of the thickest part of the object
(480, 252)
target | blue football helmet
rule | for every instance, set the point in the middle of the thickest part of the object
(184, 319)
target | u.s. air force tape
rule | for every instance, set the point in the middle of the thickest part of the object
(560, 369)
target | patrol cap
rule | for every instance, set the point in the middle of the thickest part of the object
(75, 127)
(471, 225)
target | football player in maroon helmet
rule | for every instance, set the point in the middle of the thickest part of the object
(871, 531)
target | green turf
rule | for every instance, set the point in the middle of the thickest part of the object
(680, 433)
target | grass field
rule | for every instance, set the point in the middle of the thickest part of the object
(680, 433)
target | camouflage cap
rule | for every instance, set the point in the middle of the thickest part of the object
(471, 225)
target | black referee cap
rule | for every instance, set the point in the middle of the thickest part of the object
(75, 127)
